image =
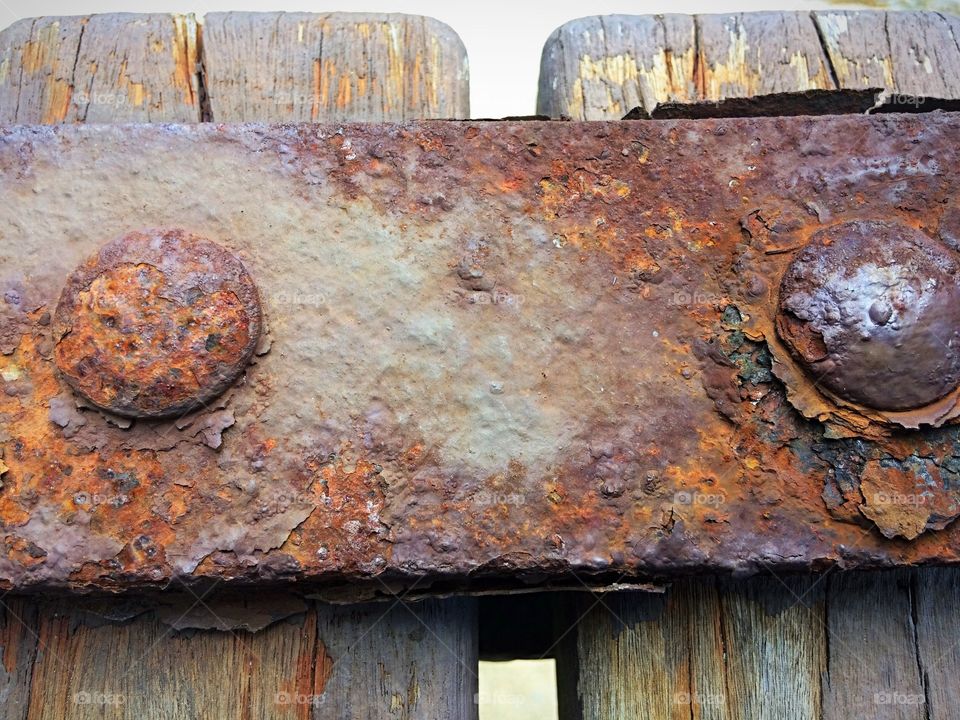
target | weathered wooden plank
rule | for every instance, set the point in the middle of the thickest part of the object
(749, 54)
(600, 67)
(18, 648)
(631, 659)
(39, 68)
(416, 660)
(137, 68)
(100, 68)
(371, 661)
(143, 669)
(643, 655)
(377, 660)
(737, 650)
(310, 67)
(937, 612)
(776, 646)
(873, 665)
(908, 53)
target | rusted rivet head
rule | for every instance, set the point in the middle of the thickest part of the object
(872, 310)
(156, 324)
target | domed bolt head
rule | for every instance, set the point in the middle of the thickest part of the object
(156, 324)
(872, 310)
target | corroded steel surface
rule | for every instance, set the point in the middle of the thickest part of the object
(872, 309)
(156, 324)
(492, 352)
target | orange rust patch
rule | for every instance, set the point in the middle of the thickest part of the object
(126, 332)
(157, 324)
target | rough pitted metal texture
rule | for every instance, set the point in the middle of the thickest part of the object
(156, 324)
(492, 353)
(873, 310)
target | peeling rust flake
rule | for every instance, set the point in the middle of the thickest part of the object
(477, 354)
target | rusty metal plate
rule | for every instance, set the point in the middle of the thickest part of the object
(477, 353)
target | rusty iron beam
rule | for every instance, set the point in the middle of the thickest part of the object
(484, 354)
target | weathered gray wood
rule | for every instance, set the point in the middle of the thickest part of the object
(18, 648)
(100, 68)
(776, 646)
(143, 670)
(909, 53)
(601, 67)
(751, 54)
(409, 660)
(628, 656)
(341, 66)
(873, 666)
(369, 661)
(753, 649)
(937, 612)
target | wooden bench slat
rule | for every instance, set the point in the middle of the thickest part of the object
(342, 66)
(937, 610)
(776, 646)
(909, 53)
(714, 651)
(750, 54)
(873, 655)
(18, 642)
(413, 660)
(614, 63)
(101, 68)
(599, 68)
(374, 660)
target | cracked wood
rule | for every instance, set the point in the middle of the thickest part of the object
(601, 68)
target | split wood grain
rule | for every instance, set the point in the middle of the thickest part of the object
(416, 661)
(100, 68)
(906, 53)
(602, 67)
(873, 669)
(19, 628)
(365, 661)
(749, 54)
(142, 669)
(599, 68)
(936, 600)
(706, 650)
(341, 66)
